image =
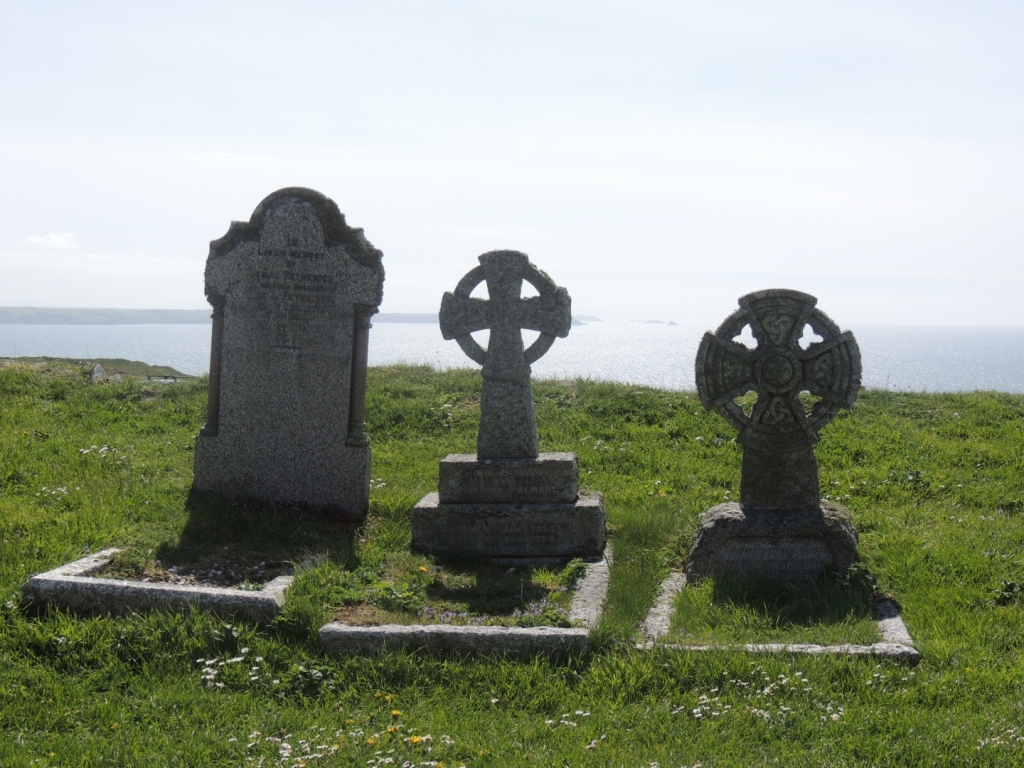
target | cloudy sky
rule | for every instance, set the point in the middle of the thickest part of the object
(659, 159)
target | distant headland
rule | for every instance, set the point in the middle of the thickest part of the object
(69, 316)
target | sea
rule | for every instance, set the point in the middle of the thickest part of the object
(901, 358)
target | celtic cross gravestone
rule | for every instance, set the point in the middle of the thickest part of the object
(292, 290)
(778, 395)
(508, 427)
(507, 499)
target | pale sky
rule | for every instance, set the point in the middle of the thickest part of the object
(658, 159)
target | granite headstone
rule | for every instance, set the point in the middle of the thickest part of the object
(507, 499)
(780, 528)
(292, 290)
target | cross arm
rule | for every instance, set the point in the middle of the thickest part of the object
(724, 370)
(549, 313)
(831, 369)
(461, 315)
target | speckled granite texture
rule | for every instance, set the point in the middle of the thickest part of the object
(551, 477)
(510, 530)
(507, 499)
(292, 290)
(784, 545)
(778, 529)
(70, 586)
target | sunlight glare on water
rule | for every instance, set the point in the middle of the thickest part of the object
(931, 359)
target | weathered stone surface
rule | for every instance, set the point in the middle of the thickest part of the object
(507, 499)
(293, 291)
(659, 618)
(778, 530)
(592, 592)
(785, 545)
(783, 473)
(508, 427)
(71, 587)
(890, 623)
(893, 652)
(510, 530)
(517, 642)
(779, 480)
(551, 477)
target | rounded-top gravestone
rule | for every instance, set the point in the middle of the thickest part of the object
(293, 290)
(780, 527)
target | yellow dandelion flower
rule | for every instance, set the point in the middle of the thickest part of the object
(371, 741)
(423, 568)
(390, 697)
(396, 712)
(415, 739)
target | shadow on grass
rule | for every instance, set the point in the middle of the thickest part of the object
(493, 590)
(263, 530)
(831, 610)
(830, 600)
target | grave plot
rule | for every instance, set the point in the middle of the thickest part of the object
(817, 619)
(518, 514)
(774, 571)
(492, 609)
(83, 586)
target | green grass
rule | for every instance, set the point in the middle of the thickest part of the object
(111, 365)
(830, 612)
(935, 484)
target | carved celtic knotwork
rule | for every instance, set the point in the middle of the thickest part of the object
(778, 370)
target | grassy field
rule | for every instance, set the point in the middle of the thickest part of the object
(935, 483)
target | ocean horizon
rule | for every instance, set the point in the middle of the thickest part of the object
(902, 358)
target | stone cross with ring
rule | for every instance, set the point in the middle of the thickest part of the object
(779, 468)
(508, 426)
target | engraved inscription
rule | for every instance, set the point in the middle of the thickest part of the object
(774, 558)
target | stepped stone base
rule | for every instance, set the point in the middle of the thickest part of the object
(783, 545)
(550, 529)
(551, 477)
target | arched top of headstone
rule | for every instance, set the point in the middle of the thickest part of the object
(778, 370)
(332, 221)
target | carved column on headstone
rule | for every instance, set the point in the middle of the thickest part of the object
(357, 390)
(216, 340)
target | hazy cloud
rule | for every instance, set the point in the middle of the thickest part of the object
(64, 241)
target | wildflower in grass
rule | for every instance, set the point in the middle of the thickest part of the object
(396, 712)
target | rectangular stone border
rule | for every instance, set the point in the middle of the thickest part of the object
(339, 639)
(896, 641)
(70, 586)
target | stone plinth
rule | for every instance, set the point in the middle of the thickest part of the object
(549, 478)
(293, 291)
(553, 529)
(782, 545)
